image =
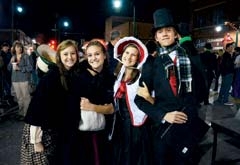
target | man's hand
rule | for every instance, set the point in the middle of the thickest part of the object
(176, 117)
(143, 91)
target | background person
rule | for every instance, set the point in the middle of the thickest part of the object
(151, 47)
(21, 67)
(114, 37)
(219, 54)
(236, 82)
(209, 60)
(227, 73)
(199, 80)
(5, 74)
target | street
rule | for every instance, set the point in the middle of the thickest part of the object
(11, 132)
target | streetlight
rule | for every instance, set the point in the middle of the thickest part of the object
(218, 28)
(64, 23)
(19, 9)
(15, 9)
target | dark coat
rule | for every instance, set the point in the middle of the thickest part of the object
(48, 106)
(199, 82)
(165, 101)
(179, 136)
(99, 90)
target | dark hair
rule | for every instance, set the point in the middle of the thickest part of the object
(151, 46)
(183, 29)
(5, 44)
(229, 44)
(17, 43)
(96, 42)
(208, 45)
(237, 49)
(114, 35)
(135, 73)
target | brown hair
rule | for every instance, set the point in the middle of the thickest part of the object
(103, 47)
(15, 44)
(63, 45)
(135, 73)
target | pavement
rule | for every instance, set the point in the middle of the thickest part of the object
(11, 132)
(226, 151)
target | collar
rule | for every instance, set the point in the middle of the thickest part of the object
(167, 50)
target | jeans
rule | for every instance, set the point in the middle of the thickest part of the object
(225, 87)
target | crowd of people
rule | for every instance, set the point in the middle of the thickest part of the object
(144, 97)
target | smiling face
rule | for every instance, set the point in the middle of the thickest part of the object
(165, 36)
(130, 56)
(95, 57)
(68, 57)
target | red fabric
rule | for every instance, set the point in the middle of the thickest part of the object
(121, 90)
(96, 153)
(173, 79)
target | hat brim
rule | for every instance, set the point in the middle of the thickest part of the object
(120, 45)
(154, 29)
(43, 63)
(47, 52)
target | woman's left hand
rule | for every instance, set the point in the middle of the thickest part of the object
(85, 104)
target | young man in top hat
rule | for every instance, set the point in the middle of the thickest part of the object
(169, 77)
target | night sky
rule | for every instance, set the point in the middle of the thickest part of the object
(87, 17)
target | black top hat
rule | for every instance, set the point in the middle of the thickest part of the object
(162, 18)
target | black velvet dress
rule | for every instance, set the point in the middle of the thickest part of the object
(91, 147)
(131, 144)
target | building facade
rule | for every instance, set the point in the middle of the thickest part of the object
(207, 15)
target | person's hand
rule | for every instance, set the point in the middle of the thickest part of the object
(38, 147)
(143, 91)
(85, 104)
(176, 117)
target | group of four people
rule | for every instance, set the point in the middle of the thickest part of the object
(145, 96)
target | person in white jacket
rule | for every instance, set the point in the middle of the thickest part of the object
(131, 142)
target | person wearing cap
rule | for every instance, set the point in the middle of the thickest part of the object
(131, 137)
(114, 37)
(209, 60)
(49, 118)
(21, 67)
(169, 77)
(227, 72)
